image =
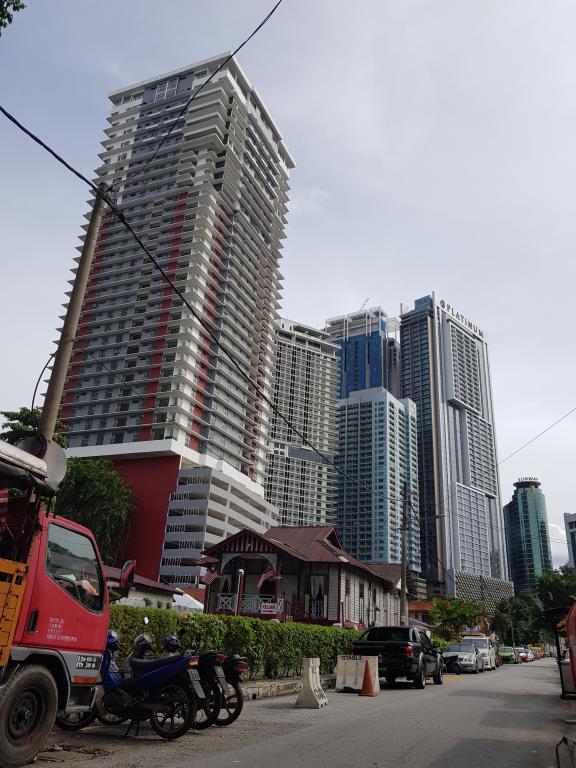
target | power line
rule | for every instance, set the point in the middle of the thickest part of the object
(201, 88)
(571, 411)
(124, 221)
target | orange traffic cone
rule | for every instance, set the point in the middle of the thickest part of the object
(368, 683)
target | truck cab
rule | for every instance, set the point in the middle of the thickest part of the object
(53, 609)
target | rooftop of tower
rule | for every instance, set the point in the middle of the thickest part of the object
(242, 80)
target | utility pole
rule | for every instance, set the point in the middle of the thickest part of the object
(404, 529)
(66, 341)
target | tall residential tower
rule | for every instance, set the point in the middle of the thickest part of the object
(378, 453)
(300, 483)
(445, 371)
(147, 379)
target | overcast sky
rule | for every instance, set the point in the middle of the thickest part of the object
(435, 149)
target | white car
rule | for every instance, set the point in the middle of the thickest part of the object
(530, 655)
(486, 648)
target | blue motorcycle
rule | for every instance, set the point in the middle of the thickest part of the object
(164, 691)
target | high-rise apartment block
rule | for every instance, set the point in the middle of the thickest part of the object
(527, 535)
(378, 453)
(210, 205)
(368, 350)
(445, 371)
(300, 483)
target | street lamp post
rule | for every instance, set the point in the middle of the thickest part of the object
(240, 574)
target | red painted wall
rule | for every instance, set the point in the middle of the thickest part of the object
(153, 479)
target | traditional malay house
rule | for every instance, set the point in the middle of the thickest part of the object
(296, 574)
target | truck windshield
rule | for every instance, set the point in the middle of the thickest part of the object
(382, 634)
(72, 563)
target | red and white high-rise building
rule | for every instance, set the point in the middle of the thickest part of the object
(147, 383)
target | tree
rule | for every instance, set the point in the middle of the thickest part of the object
(449, 617)
(557, 589)
(524, 613)
(26, 420)
(93, 494)
(7, 10)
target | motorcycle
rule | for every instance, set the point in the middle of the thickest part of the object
(212, 680)
(164, 691)
(233, 703)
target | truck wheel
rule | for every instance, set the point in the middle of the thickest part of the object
(420, 679)
(28, 704)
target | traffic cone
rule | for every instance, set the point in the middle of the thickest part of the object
(368, 683)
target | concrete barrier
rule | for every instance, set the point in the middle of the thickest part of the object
(350, 672)
(312, 695)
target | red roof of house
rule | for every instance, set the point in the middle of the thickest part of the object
(420, 605)
(314, 544)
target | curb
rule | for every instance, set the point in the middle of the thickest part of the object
(263, 689)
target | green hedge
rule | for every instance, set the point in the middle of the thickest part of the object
(273, 649)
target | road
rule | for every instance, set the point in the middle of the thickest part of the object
(507, 718)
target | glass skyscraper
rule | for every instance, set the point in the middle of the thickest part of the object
(368, 351)
(445, 371)
(527, 535)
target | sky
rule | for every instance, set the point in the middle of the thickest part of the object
(434, 143)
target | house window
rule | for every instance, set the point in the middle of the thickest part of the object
(347, 586)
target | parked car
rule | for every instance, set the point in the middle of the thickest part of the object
(507, 654)
(404, 652)
(521, 654)
(467, 658)
(486, 648)
(530, 655)
(450, 656)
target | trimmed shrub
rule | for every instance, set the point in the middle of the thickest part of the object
(272, 649)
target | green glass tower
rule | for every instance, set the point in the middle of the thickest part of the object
(527, 536)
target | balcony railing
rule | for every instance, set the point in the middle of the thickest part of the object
(248, 603)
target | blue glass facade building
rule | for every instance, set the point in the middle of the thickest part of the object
(527, 536)
(369, 354)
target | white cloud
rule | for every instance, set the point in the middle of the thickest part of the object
(308, 200)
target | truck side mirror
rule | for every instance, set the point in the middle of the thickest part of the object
(127, 577)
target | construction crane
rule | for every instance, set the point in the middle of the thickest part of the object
(363, 307)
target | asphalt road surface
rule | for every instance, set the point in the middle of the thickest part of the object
(507, 718)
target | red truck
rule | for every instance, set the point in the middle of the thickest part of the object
(53, 608)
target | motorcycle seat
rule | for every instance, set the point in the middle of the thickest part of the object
(147, 665)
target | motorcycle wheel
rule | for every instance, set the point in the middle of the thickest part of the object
(208, 710)
(174, 710)
(74, 721)
(231, 706)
